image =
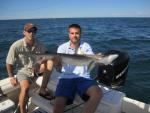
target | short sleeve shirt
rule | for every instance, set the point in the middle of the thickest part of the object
(23, 63)
(71, 71)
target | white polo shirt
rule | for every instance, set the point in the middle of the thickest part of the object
(71, 71)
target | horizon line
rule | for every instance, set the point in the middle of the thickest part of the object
(75, 17)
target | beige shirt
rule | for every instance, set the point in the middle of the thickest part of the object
(23, 63)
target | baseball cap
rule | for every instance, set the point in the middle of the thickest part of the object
(28, 26)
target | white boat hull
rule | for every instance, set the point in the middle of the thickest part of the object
(112, 102)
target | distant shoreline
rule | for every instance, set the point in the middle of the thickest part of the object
(69, 18)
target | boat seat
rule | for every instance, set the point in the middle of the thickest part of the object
(47, 105)
(111, 101)
(6, 87)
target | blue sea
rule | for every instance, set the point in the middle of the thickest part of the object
(128, 34)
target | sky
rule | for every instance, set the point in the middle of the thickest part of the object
(28, 9)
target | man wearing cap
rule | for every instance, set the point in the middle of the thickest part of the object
(25, 66)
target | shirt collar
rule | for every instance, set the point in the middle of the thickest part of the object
(34, 45)
(24, 42)
(81, 44)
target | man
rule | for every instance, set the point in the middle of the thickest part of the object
(25, 67)
(76, 78)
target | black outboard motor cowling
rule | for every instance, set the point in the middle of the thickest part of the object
(114, 74)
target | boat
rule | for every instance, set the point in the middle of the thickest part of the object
(113, 101)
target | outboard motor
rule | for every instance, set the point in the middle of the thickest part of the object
(114, 74)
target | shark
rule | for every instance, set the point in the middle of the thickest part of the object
(77, 59)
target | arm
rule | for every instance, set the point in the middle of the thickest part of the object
(13, 80)
(10, 60)
(10, 70)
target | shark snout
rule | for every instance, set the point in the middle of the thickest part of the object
(112, 57)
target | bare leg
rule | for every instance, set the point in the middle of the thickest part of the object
(24, 85)
(95, 95)
(46, 75)
(59, 106)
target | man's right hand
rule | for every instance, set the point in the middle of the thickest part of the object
(57, 63)
(13, 81)
(36, 68)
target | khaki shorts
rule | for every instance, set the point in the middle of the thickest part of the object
(21, 77)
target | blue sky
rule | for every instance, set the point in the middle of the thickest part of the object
(24, 9)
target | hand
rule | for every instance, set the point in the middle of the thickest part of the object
(13, 81)
(36, 67)
(57, 63)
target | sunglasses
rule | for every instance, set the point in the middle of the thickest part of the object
(32, 30)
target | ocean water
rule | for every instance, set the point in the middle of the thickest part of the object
(128, 34)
